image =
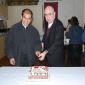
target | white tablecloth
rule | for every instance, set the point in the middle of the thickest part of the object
(56, 76)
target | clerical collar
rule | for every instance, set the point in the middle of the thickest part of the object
(49, 25)
(25, 26)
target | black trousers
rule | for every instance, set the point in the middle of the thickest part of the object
(74, 55)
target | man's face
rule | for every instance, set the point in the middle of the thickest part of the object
(26, 19)
(49, 15)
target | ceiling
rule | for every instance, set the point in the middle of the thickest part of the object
(22, 2)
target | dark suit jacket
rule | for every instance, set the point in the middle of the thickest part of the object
(21, 42)
(54, 43)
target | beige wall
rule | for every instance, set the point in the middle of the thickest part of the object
(84, 11)
(3, 10)
(2, 46)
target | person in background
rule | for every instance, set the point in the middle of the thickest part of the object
(53, 39)
(67, 29)
(83, 39)
(68, 26)
(23, 41)
(75, 45)
(83, 35)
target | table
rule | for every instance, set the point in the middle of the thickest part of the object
(57, 76)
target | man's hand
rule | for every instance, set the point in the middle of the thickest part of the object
(37, 53)
(42, 55)
(12, 61)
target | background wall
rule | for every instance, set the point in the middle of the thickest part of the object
(66, 9)
(3, 11)
(84, 12)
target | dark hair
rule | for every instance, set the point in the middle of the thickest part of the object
(27, 11)
(74, 21)
(69, 20)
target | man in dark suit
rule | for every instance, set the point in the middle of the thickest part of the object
(53, 39)
(23, 42)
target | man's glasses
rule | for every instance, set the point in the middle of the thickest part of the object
(49, 14)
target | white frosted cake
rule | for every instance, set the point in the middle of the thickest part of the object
(38, 72)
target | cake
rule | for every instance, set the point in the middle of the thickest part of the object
(38, 72)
